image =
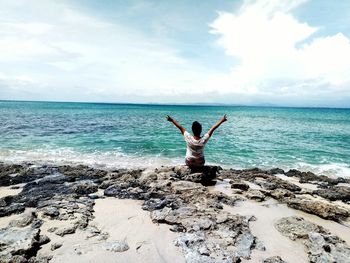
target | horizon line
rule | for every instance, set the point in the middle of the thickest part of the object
(198, 104)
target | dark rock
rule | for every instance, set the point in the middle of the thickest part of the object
(19, 241)
(51, 212)
(273, 183)
(239, 185)
(12, 209)
(81, 172)
(85, 187)
(275, 259)
(25, 220)
(16, 259)
(40, 259)
(276, 171)
(66, 231)
(309, 177)
(320, 244)
(204, 174)
(280, 194)
(155, 203)
(55, 246)
(322, 209)
(244, 245)
(334, 193)
(43, 239)
(93, 196)
(37, 223)
(297, 227)
(255, 195)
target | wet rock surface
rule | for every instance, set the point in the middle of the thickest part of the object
(176, 196)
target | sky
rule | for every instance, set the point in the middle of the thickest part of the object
(244, 52)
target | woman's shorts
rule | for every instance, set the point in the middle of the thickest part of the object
(195, 162)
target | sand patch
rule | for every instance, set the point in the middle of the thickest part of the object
(123, 220)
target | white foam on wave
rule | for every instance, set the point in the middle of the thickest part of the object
(117, 159)
(58, 156)
(331, 169)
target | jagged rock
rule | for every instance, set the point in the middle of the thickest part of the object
(239, 185)
(92, 231)
(112, 190)
(19, 241)
(52, 229)
(297, 227)
(322, 209)
(181, 186)
(85, 187)
(276, 171)
(116, 246)
(94, 196)
(82, 222)
(15, 259)
(81, 172)
(255, 195)
(272, 183)
(65, 231)
(320, 244)
(309, 177)
(25, 220)
(40, 259)
(37, 223)
(177, 228)
(275, 259)
(174, 197)
(334, 193)
(147, 177)
(123, 190)
(159, 203)
(280, 194)
(9, 208)
(105, 184)
(203, 174)
(51, 212)
(55, 246)
(43, 239)
(244, 246)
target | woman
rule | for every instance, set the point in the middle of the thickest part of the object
(196, 143)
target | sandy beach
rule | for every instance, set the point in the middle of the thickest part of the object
(170, 214)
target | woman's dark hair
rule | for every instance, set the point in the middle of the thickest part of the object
(196, 128)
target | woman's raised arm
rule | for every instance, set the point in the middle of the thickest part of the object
(212, 129)
(182, 129)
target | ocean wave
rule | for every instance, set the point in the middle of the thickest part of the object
(114, 159)
(118, 159)
(330, 169)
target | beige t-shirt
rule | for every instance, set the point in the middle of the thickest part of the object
(195, 148)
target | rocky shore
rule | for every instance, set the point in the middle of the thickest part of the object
(50, 213)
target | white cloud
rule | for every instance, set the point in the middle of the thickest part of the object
(76, 54)
(50, 50)
(277, 54)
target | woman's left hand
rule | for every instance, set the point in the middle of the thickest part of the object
(223, 119)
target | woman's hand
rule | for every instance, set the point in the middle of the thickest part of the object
(169, 118)
(182, 129)
(223, 119)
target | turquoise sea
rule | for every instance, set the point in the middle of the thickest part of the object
(127, 135)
